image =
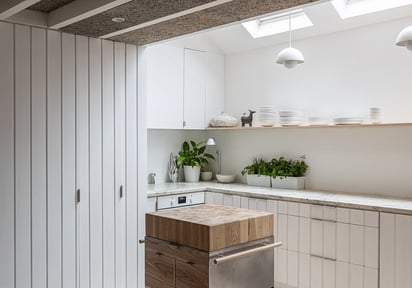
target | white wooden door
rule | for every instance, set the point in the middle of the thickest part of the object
(194, 89)
(164, 87)
(214, 85)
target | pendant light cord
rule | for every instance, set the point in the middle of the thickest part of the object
(290, 32)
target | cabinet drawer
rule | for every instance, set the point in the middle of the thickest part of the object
(190, 274)
(159, 270)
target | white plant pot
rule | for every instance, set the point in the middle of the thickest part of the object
(258, 180)
(192, 173)
(206, 175)
(297, 183)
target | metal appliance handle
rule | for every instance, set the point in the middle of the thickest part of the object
(246, 253)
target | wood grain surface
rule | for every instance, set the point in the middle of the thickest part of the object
(209, 227)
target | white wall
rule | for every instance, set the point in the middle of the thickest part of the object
(373, 160)
(345, 73)
(68, 118)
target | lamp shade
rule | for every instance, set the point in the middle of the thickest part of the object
(405, 38)
(211, 142)
(290, 57)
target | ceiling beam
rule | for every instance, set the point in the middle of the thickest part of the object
(29, 17)
(79, 10)
(11, 7)
(166, 18)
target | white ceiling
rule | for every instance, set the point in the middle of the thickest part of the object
(326, 20)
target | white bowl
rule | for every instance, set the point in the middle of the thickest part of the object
(225, 178)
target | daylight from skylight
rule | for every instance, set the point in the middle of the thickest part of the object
(275, 24)
(352, 8)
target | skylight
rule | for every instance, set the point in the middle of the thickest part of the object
(352, 8)
(279, 23)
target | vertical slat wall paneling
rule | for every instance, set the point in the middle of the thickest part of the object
(82, 169)
(96, 228)
(54, 164)
(387, 250)
(7, 227)
(403, 251)
(108, 165)
(68, 161)
(131, 166)
(120, 89)
(23, 157)
(38, 160)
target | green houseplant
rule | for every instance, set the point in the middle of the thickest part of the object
(257, 173)
(192, 157)
(288, 174)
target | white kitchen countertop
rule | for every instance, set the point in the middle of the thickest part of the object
(360, 201)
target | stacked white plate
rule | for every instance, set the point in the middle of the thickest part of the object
(267, 116)
(290, 118)
(347, 120)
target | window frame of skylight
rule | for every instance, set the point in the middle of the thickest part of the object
(347, 9)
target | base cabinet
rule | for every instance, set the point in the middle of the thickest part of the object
(160, 270)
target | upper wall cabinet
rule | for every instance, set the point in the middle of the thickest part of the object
(185, 87)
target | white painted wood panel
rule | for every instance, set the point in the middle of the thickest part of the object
(316, 237)
(293, 208)
(304, 210)
(22, 158)
(304, 235)
(38, 161)
(293, 233)
(82, 170)
(261, 204)
(372, 219)
(357, 244)
(282, 266)
(316, 272)
(329, 273)
(108, 165)
(329, 240)
(252, 203)
(282, 207)
(343, 215)
(403, 251)
(244, 202)
(194, 89)
(387, 250)
(357, 217)
(209, 197)
(69, 259)
(96, 201)
(214, 86)
(218, 199)
(342, 242)
(227, 200)
(236, 201)
(282, 234)
(371, 247)
(131, 167)
(293, 268)
(329, 213)
(355, 276)
(316, 211)
(120, 159)
(371, 278)
(54, 159)
(304, 270)
(342, 274)
(7, 227)
(165, 87)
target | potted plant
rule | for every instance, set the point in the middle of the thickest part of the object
(192, 158)
(288, 174)
(257, 173)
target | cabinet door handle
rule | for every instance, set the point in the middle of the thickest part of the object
(121, 191)
(78, 196)
(142, 241)
(159, 254)
(190, 263)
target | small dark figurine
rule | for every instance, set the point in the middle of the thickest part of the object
(247, 119)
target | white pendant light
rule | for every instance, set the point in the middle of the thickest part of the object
(290, 57)
(405, 38)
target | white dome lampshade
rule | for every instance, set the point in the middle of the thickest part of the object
(290, 57)
(405, 38)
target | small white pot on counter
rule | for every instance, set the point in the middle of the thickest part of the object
(206, 175)
(192, 173)
(258, 180)
(297, 183)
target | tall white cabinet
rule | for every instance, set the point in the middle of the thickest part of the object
(185, 88)
(68, 161)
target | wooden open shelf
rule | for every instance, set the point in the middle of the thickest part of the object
(312, 126)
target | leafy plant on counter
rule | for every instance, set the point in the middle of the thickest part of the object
(193, 156)
(258, 167)
(288, 168)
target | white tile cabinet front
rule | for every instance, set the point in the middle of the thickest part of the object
(185, 87)
(323, 246)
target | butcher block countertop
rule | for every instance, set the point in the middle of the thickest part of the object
(209, 227)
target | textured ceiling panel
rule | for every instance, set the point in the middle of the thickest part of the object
(47, 6)
(230, 12)
(135, 12)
